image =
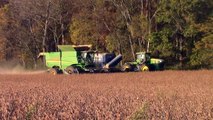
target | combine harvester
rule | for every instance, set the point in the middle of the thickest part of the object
(73, 59)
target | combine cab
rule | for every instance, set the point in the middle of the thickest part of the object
(79, 59)
(144, 62)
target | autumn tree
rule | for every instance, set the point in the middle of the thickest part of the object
(35, 27)
(3, 21)
(179, 31)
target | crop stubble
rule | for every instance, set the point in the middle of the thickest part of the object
(151, 95)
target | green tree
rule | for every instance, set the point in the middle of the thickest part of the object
(177, 21)
(202, 56)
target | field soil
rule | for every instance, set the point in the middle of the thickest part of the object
(163, 95)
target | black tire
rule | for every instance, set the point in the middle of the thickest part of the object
(56, 67)
(91, 71)
(136, 68)
(72, 70)
(104, 70)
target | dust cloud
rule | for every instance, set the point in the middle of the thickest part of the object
(11, 67)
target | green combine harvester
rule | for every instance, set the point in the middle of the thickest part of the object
(144, 62)
(71, 59)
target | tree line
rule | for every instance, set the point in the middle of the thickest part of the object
(179, 31)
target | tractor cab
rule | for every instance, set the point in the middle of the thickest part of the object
(143, 57)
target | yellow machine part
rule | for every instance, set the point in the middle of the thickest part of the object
(144, 68)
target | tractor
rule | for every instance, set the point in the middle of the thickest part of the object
(72, 59)
(144, 62)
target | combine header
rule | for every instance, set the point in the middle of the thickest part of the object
(79, 59)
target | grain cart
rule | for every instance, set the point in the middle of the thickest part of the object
(72, 59)
(144, 62)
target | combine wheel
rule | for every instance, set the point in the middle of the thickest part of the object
(91, 71)
(126, 68)
(105, 70)
(144, 68)
(72, 70)
(54, 71)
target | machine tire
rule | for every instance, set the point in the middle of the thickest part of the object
(125, 68)
(54, 71)
(136, 69)
(104, 70)
(91, 71)
(72, 70)
(144, 68)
